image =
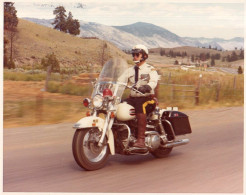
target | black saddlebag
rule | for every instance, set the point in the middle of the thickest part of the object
(180, 123)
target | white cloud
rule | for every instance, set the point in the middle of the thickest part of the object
(175, 14)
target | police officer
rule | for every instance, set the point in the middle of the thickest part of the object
(144, 78)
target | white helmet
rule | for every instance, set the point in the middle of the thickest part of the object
(141, 49)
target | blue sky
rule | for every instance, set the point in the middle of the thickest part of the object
(194, 18)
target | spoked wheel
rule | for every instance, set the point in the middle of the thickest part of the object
(86, 151)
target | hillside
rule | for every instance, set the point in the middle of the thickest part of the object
(194, 51)
(33, 42)
(156, 59)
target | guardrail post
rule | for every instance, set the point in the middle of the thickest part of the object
(218, 92)
(197, 96)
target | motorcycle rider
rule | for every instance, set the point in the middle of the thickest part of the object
(144, 77)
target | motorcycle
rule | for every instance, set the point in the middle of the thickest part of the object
(110, 126)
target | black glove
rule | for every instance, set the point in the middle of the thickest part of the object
(144, 89)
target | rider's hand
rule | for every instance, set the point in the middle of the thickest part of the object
(144, 89)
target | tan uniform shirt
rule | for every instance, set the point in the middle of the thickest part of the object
(147, 75)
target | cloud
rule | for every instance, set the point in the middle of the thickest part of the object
(175, 14)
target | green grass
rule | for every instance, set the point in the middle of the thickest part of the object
(215, 88)
(42, 111)
(69, 88)
(31, 76)
(21, 76)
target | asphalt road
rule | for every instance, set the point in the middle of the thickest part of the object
(39, 159)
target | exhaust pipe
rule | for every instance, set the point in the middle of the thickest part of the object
(177, 143)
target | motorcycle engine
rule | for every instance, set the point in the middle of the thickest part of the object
(152, 140)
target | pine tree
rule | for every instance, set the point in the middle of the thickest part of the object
(162, 52)
(60, 19)
(5, 58)
(10, 18)
(241, 55)
(212, 61)
(72, 25)
(240, 70)
(192, 58)
(10, 26)
(234, 56)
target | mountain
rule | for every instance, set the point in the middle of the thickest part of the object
(148, 34)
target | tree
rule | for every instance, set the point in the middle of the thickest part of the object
(162, 52)
(72, 25)
(5, 57)
(60, 19)
(50, 63)
(234, 56)
(240, 70)
(212, 61)
(241, 55)
(10, 27)
(217, 56)
(228, 58)
(103, 53)
(10, 18)
(51, 60)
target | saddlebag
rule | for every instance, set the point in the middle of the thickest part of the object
(179, 121)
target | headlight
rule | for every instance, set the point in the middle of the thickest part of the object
(97, 101)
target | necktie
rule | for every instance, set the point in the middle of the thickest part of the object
(136, 73)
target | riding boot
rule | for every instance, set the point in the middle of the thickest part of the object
(141, 120)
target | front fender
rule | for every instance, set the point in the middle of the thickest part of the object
(89, 121)
(93, 121)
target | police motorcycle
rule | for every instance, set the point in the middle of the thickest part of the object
(110, 126)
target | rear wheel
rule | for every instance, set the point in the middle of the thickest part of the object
(86, 151)
(161, 152)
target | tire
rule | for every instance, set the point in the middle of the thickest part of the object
(161, 152)
(86, 152)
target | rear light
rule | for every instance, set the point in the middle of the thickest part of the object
(86, 102)
(107, 92)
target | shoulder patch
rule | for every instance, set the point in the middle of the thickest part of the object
(153, 69)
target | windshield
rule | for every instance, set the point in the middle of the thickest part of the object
(109, 77)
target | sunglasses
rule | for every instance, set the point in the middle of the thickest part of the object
(135, 54)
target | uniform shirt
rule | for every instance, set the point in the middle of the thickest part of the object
(147, 75)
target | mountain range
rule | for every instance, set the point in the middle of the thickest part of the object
(148, 34)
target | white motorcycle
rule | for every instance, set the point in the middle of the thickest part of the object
(111, 127)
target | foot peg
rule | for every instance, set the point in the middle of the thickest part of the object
(136, 150)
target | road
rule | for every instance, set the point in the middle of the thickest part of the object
(39, 159)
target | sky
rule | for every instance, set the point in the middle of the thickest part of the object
(191, 18)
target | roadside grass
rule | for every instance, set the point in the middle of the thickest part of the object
(69, 88)
(216, 90)
(30, 76)
(28, 113)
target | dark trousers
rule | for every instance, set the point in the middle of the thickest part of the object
(142, 104)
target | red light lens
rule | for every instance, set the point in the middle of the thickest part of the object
(86, 102)
(107, 92)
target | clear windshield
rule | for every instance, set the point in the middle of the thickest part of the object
(111, 77)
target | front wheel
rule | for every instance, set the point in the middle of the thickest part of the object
(86, 151)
